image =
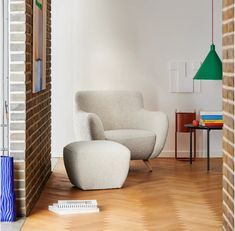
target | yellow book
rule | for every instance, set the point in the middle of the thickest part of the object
(213, 121)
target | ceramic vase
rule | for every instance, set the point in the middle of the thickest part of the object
(7, 195)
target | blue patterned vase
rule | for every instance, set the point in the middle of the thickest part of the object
(7, 195)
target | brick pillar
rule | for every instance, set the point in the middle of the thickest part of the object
(17, 99)
(228, 109)
(38, 117)
(30, 114)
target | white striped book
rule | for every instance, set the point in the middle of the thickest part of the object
(74, 206)
(64, 211)
(77, 202)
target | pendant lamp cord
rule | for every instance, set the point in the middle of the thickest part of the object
(212, 21)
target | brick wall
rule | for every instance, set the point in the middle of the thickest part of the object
(38, 117)
(30, 114)
(17, 99)
(228, 108)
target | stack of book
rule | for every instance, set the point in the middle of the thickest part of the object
(211, 119)
(74, 206)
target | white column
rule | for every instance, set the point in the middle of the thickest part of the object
(1, 74)
(4, 68)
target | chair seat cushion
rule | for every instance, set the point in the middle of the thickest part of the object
(139, 142)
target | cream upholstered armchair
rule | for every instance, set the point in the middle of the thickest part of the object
(120, 116)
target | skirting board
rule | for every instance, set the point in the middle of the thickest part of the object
(200, 154)
(168, 154)
(53, 162)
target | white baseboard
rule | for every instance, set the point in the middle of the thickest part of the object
(53, 162)
(56, 155)
(167, 154)
(200, 154)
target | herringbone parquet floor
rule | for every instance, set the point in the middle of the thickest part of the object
(175, 196)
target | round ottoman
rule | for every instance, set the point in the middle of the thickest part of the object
(96, 164)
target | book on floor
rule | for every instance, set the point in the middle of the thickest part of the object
(78, 202)
(74, 206)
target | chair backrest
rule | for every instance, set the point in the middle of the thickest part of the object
(182, 118)
(113, 107)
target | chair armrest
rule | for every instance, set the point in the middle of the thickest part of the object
(88, 126)
(155, 121)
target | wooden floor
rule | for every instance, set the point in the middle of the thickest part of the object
(175, 196)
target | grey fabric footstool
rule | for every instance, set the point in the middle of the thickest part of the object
(96, 164)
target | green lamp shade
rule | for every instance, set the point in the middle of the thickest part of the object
(211, 68)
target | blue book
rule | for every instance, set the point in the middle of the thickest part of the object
(211, 117)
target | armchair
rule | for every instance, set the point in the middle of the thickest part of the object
(120, 116)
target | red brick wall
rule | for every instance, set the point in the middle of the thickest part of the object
(228, 108)
(38, 117)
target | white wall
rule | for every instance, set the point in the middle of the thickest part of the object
(127, 44)
(62, 75)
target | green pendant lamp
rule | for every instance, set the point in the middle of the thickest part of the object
(211, 68)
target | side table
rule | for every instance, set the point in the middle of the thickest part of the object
(208, 129)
